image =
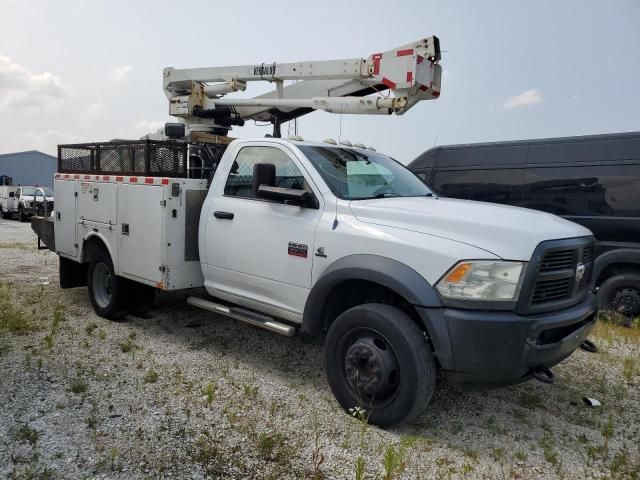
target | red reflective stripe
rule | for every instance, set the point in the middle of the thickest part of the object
(87, 177)
(133, 179)
(165, 181)
(57, 175)
(106, 178)
(409, 77)
(97, 177)
(388, 83)
(76, 177)
(119, 179)
(148, 180)
(376, 63)
(402, 53)
(66, 175)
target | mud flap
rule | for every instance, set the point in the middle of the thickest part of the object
(72, 274)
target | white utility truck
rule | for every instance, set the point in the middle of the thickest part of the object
(24, 202)
(324, 237)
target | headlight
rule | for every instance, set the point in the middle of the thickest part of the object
(483, 280)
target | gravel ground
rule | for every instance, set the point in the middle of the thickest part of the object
(182, 393)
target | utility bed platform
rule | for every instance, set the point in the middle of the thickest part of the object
(132, 197)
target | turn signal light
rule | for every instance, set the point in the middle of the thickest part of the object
(458, 273)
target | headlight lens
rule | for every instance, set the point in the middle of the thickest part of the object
(483, 280)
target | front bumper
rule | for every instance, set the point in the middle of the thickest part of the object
(493, 348)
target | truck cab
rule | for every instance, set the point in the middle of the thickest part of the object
(345, 242)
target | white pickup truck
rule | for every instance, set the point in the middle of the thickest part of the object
(315, 237)
(25, 201)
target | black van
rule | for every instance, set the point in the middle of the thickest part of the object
(592, 180)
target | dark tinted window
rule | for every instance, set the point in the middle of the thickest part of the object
(499, 186)
(585, 191)
(424, 175)
(240, 180)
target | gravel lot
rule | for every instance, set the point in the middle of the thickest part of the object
(182, 393)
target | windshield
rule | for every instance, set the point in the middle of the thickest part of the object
(359, 175)
(31, 190)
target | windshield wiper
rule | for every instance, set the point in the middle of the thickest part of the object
(385, 194)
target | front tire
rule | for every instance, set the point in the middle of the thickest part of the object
(621, 294)
(107, 291)
(21, 216)
(377, 358)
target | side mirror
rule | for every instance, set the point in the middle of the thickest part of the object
(263, 174)
(12, 194)
(291, 196)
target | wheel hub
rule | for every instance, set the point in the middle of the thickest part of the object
(102, 285)
(371, 367)
(627, 301)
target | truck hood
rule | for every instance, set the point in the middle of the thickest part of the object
(511, 233)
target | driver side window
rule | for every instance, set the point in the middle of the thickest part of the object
(240, 180)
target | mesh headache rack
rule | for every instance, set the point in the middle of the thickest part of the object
(150, 158)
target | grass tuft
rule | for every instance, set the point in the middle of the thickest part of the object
(150, 377)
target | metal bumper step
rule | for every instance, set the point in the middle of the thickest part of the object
(247, 316)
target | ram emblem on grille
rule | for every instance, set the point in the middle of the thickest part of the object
(579, 272)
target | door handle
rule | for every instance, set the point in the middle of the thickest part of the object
(223, 215)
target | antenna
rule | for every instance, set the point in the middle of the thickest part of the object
(340, 127)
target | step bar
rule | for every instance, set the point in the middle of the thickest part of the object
(247, 316)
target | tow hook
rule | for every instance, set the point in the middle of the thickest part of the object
(589, 346)
(543, 374)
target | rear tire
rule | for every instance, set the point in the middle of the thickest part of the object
(6, 214)
(621, 294)
(377, 358)
(107, 292)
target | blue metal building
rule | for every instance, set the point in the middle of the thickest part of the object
(29, 168)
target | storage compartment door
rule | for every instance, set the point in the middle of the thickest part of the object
(65, 217)
(140, 217)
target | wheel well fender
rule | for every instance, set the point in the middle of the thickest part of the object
(614, 262)
(386, 272)
(94, 242)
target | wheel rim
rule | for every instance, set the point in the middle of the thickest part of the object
(370, 367)
(626, 301)
(102, 285)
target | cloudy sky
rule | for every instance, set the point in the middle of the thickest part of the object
(74, 71)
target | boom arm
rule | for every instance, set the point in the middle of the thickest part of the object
(411, 72)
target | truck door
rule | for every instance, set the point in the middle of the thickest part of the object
(258, 249)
